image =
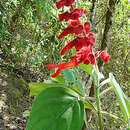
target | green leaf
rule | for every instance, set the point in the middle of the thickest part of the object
(88, 105)
(27, 6)
(59, 79)
(79, 82)
(120, 96)
(80, 86)
(87, 68)
(36, 88)
(73, 51)
(26, 113)
(56, 108)
(104, 82)
(69, 75)
(127, 101)
(113, 116)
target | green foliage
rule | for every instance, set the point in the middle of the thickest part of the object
(87, 68)
(59, 79)
(56, 108)
(120, 96)
(69, 75)
(36, 88)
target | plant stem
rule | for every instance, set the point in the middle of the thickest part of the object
(99, 108)
(98, 100)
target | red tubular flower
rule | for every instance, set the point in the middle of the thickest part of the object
(62, 3)
(66, 31)
(67, 47)
(74, 15)
(67, 65)
(57, 73)
(78, 43)
(96, 54)
(87, 26)
(92, 58)
(85, 11)
(75, 23)
(70, 30)
(64, 16)
(105, 57)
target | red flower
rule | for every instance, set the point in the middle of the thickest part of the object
(70, 30)
(75, 23)
(78, 43)
(83, 45)
(62, 3)
(74, 15)
(105, 57)
(91, 38)
(64, 16)
(87, 26)
(67, 65)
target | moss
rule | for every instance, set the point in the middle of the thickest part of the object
(17, 96)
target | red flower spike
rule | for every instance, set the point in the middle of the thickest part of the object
(105, 57)
(82, 44)
(62, 3)
(87, 26)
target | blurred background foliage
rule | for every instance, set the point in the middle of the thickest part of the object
(28, 39)
(29, 30)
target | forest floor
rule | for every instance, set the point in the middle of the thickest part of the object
(14, 100)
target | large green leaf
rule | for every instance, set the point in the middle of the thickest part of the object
(87, 68)
(120, 96)
(36, 88)
(56, 108)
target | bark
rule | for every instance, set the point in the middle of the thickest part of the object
(108, 23)
(93, 11)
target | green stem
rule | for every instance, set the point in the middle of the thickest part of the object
(99, 108)
(98, 100)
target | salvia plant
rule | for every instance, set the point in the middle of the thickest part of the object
(61, 103)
